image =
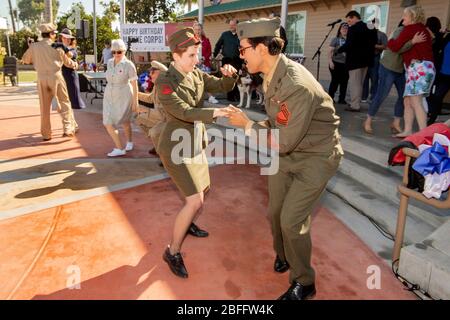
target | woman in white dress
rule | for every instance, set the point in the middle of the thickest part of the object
(120, 99)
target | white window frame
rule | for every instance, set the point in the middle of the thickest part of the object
(304, 13)
(387, 2)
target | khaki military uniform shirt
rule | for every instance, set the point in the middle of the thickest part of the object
(182, 96)
(46, 60)
(299, 107)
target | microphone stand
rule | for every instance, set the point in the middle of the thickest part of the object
(317, 54)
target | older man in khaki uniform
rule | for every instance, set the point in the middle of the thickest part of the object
(48, 62)
(309, 148)
(152, 121)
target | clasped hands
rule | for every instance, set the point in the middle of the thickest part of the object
(228, 70)
(235, 116)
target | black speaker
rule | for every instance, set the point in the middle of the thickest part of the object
(83, 32)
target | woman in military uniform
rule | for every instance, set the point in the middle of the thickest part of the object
(180, 91)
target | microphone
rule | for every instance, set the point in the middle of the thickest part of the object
(333, 23)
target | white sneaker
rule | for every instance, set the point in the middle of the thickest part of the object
(129, 146)
(117, 153)
(213, 99)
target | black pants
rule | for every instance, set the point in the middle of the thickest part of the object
(233, 95)
(435, 100)
(339, 78)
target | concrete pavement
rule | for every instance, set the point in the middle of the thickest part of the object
(106, 238)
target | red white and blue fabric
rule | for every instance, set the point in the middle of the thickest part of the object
(434, 164)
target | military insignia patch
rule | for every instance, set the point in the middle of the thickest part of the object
(283, 115)
(166, 89)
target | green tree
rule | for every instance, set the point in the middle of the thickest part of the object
(18, 41)
(104, 29)
(149, 11)
(187, 3)
(31, 12)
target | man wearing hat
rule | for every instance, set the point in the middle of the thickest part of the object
(48, 62)
(152, 121)
(309, 150)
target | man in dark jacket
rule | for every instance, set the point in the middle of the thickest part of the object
(359, 49)
(228, 43)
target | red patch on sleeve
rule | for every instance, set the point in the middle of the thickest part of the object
(166, 89)
(283, 115)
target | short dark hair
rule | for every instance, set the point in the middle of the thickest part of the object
(45, 34)
(274, 44)
(352, 14)
(434, 24)
(344, 24)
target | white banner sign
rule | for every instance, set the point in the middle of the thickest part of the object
(145, 37)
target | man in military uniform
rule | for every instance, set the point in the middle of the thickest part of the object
(48, 62)
(152, 121)
(309, 148)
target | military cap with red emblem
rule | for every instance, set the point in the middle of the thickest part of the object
(183, 38)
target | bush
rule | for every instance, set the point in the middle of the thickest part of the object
(18, 41)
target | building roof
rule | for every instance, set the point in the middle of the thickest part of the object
(240, 5)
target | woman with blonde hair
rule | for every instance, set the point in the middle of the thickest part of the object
(120, 99)
(420, 70)
(180, 91)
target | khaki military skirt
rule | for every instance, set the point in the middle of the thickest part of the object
(191, 176)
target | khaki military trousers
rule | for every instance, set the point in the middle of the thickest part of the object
(151, 122)
(356, 83)
(47, 89)
(293, 193)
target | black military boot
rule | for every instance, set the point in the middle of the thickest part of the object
(280, 265)
(196, 231)
(175, 263)
(299, 292)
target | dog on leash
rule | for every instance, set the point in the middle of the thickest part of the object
(248, 83)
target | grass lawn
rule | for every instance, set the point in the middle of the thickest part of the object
(24, 76)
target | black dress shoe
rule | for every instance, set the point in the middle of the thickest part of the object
(197, 232)
(153, 151)
(298, 292)
(175, 263)
(352, 110)
(280, 265)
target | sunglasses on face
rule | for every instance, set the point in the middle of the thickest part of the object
(118, 52)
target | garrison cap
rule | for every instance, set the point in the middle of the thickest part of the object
(183, 38)
(158, 65)
(262, 27)
(47, 28)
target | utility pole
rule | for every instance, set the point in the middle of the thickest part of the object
(122, 12)
(94, 20)
(201, 15)
(48, 12)
(12, 16)
(284, 12)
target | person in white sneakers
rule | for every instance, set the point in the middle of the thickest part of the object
(212, 99)
(120, 99)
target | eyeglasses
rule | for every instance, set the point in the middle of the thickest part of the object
(118, 52)
(242, 50)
